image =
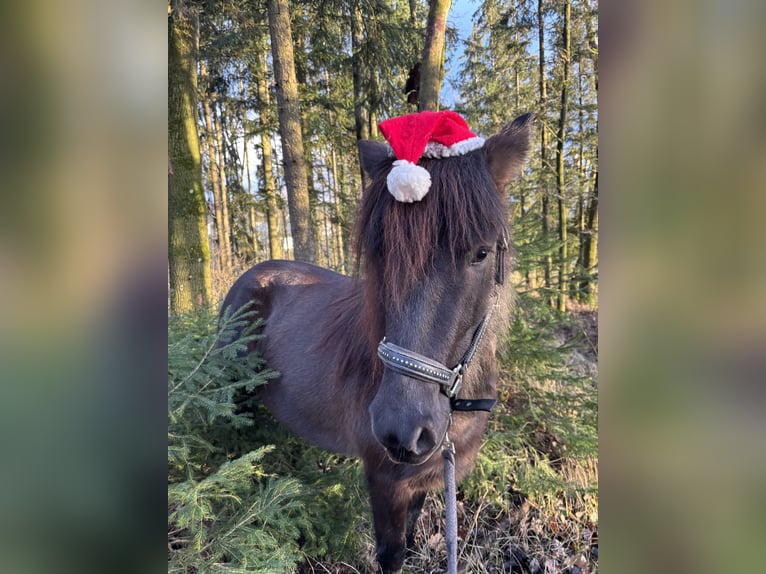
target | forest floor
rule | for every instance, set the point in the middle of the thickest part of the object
(550, 529)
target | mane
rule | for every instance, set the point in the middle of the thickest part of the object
(350, 335)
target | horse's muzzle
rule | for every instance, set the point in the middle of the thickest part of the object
(416, 451)
(409, 418)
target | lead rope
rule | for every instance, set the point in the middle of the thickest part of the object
(450, 500)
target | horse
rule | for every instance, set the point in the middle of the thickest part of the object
(430, 285)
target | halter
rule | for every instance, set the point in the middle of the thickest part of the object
(420, 367)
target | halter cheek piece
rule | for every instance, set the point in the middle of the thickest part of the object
(417, 366)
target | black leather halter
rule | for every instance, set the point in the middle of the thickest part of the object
(417, 366)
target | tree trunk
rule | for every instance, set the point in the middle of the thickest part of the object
(373, 103)
(252, 219)
(560, 176)
(361, 123)
(255, 244)
(215, 178)
(350, 195)
(413, 13)
(290, 130)
(545, 200)
(432, 66)
(339, 239)
(220, 127)
(590, 248)
(269, 187)
(328, 250)
(313, 190)
(582, 180)
(188, 249)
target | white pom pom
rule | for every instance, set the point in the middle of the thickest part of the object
(408, 182)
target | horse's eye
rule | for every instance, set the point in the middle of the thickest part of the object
(481, 255)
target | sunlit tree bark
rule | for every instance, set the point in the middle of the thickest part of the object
(290, 130)
(188, 249)
(432, 65)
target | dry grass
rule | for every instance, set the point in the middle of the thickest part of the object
(527, 538)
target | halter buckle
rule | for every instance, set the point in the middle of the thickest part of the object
(452, 388)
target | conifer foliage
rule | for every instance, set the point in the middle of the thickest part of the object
(243, 494)
(225, 513)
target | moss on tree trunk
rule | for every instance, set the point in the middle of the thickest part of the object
(188, 249)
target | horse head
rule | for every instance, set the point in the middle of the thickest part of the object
(434, 267)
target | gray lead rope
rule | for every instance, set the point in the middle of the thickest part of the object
(450, 501)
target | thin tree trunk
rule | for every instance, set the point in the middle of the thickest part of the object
(252, 219)
(560, 176)
(328, 250)
(414, 13)
(590, 256)
(223, 197)
(215, 178)
(313, 191)
(239, 199)
(432, 66)
(350, 194)
(188, 248)
(545, 200)
(290, 130)
(581, 179)
(286, 238)
(299, 43)
(516, 81)
(269, 186)
(338, 215)
(374, 105)
(361, 122)
(270, 195)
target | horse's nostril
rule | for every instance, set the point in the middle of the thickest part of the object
(390, 441)
(404, 448)
(426, 441)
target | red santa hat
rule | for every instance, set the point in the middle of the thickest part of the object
(425, 134)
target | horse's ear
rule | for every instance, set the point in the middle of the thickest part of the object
(507, 151)
(374, 155)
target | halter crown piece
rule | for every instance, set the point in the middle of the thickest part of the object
(425, 134)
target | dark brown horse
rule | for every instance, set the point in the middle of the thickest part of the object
(432, 270)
